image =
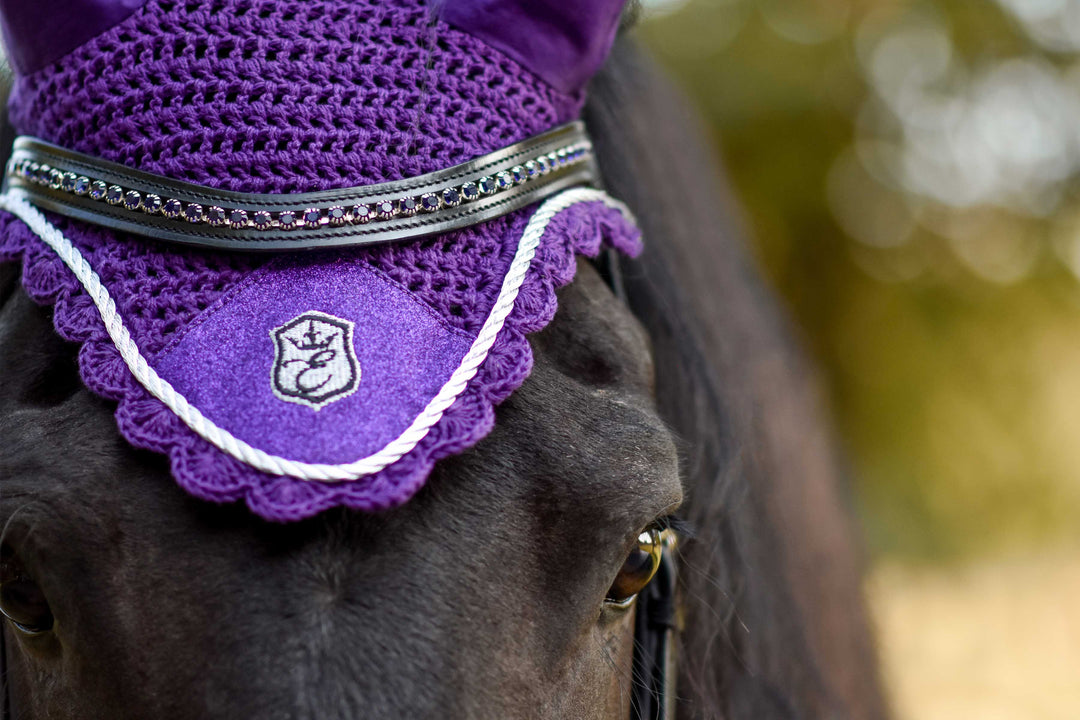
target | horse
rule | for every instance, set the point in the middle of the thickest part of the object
(669, 384)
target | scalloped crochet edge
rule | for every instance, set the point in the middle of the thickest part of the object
(208, 473)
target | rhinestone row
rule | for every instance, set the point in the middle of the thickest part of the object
(194, 213)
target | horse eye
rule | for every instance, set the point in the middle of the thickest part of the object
(638, 569)
(21, 600)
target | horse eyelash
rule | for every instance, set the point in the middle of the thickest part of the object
(682, 527)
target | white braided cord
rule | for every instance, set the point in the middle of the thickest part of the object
(273, 464)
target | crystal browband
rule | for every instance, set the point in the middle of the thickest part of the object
(120, 198)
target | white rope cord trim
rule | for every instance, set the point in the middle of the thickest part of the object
(273, 464)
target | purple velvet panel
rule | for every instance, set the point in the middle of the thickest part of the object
(406, 353)
(562, 41)
(40, 32)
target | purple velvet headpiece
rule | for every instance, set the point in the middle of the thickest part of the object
(302, 381)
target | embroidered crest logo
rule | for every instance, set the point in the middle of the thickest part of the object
(314, 360)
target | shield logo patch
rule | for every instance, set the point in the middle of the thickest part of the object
(314, 360)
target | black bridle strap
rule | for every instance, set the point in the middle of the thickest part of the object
(653, 694)
(5, 682)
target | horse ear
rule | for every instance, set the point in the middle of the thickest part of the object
(563, 41)
(39, 32)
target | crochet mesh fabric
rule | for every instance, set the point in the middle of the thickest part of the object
(273, 96)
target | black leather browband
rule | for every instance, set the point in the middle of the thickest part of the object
(120, 198)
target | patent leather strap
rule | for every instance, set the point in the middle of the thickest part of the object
(120, 198)
(655, 625)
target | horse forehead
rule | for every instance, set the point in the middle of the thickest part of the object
(583, 431)
(594, 339)
(591, 445)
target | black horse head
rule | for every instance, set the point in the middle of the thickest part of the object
(484, 596)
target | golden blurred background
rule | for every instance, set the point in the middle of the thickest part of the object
(910, 170)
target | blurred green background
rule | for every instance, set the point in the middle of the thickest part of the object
(910, 170)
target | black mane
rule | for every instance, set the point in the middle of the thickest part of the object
(770, 583)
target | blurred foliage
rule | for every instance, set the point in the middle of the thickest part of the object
(945, 316)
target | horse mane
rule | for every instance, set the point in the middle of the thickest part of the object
(775, 623)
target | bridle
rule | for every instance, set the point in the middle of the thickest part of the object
(5, 703)
(653, 694)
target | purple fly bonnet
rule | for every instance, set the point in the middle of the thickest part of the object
(301, 242)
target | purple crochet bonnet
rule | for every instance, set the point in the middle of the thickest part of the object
(319, 360)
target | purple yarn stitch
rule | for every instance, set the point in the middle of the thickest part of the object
(255, 96)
